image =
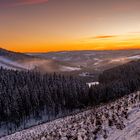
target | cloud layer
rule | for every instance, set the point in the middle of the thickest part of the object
(12, 3)
(105, 36)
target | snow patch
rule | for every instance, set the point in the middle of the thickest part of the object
(66, 68)
(92, 84)
(118, 60)
(9, 64)
(134, 57)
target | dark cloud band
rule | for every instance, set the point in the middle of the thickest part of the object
(9, 3)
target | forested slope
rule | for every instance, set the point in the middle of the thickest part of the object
(27, 95)
(29, 98)
(118, 120)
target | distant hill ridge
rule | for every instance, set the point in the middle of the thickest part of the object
(21, 61)
(14, 55)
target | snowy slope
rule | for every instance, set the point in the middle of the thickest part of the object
(14, 60)
(21, 61)
(132, 129)
(10, 64)
(67, 68)
(119, 120)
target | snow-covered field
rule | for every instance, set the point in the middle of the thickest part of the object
(66, 68)
(9, 64)
(119, 120)
(92, 84)
(31, 64)
(134, 57)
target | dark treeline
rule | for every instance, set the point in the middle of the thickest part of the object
(129, 70)
(28, 94)
(116, 82)
(25, 95)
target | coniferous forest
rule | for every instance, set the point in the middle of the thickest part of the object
(28, 94)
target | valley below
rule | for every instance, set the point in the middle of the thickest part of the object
(87, 65)
(75, 95)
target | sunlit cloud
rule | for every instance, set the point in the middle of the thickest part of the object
(98, 38)
(13, 3)
(104, 36)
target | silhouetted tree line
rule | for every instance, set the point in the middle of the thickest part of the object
(29, 94)
(116, 82)
(123, 72)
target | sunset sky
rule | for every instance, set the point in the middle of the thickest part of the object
(55, 25)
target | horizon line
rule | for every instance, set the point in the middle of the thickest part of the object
(127, 49)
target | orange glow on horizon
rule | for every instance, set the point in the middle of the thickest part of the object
(102, 42)
(57, 25)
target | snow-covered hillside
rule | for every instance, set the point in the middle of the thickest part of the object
(119, 120)
(14, 60)
(10, 64)
(21, 61)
